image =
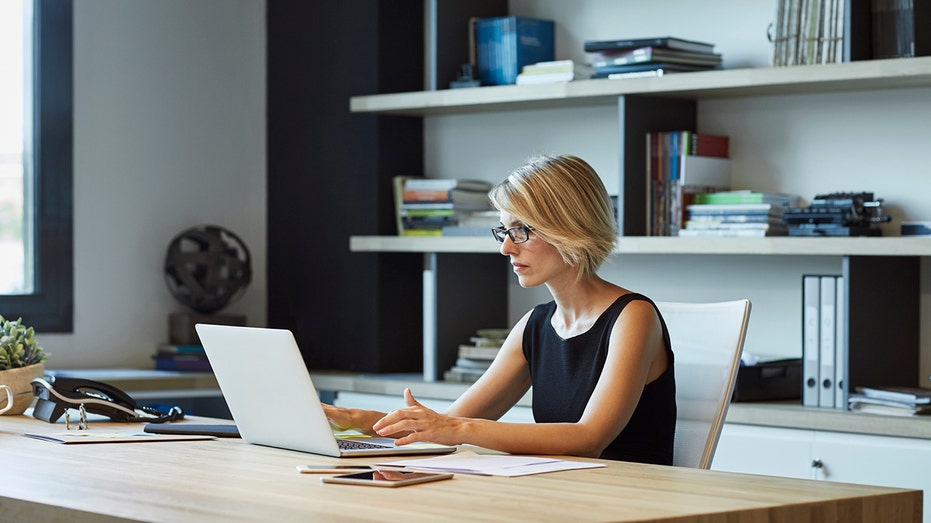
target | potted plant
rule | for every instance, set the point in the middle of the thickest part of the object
(21, 360)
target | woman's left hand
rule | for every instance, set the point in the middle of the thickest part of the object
(418, 423)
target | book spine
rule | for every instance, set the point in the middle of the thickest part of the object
(710, 145)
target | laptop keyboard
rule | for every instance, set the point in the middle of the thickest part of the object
(352, 444)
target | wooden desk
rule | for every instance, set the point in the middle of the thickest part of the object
(227, 480)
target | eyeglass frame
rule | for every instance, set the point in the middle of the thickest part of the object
(501, 232)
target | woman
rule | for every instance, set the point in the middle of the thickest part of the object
(598, 356)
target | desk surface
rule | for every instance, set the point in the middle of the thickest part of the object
(227, 480)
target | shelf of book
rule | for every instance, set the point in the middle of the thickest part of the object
(809, 79)
(779, 245)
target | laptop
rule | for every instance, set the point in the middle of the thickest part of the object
(273, 401)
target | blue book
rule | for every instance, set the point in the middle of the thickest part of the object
(504, 45)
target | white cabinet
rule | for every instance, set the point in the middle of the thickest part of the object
(764, 450)
(831, 456)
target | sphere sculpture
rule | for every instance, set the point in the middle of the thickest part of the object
(207, 268)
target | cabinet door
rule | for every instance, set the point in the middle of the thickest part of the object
(764, 450)
(875, 460)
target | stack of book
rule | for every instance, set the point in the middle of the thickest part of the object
(191, 358)
(738, 213)
(474, 359)
(681, 164)
(552, 72)
(898, 401)
(427, 206)
(647, 57)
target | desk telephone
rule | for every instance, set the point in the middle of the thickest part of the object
(57, 394)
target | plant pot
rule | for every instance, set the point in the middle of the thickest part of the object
(18, 381)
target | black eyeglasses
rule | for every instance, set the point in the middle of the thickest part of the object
(518, 234)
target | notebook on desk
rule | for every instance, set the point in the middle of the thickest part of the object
(273, 400)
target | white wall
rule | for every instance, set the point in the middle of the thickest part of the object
(169, 132)
(804, 144)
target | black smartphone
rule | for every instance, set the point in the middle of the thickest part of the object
(387, 478)
(318, 468)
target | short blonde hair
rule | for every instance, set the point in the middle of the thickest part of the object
(565, 202)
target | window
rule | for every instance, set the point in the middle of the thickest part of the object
(36, 163)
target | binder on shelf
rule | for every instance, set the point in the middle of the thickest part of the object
(840, 345)
(811, 308)
(827, 333)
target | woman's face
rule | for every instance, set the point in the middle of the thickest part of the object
(534, 261)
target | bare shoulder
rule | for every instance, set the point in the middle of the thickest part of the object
(639, 312)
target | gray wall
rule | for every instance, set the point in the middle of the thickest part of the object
(169, 132)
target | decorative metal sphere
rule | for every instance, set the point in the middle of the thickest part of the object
(207, 267)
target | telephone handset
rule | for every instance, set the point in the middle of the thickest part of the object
(58, 394)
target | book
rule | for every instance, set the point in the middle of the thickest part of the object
(699, 219)
(735, 208)
(735, 226)
(552, 75)
(445, 184)
(652, 73)
(505, 44)
(171, 349)
(910, 395)
(605, 72)
(730, 233)
(674, 175)
(877, 406)
(900, 28)
(479, 353)
(744, 196)
(182, 364)
(670, 42)
(655, 54)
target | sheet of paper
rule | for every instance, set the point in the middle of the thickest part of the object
(470, 462)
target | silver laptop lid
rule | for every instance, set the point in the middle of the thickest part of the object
(267, 388)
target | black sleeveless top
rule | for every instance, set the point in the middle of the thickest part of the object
(564, 373)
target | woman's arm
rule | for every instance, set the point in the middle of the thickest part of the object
(636, 355)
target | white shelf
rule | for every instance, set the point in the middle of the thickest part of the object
(857, 246)
(808, 79)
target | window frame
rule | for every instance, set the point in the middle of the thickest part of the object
(50, 308)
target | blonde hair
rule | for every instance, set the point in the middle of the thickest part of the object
(565, 202)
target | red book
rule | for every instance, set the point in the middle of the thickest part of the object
(709, 145)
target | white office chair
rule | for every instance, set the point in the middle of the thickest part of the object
(707, 339)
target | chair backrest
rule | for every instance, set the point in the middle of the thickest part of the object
(707, 339)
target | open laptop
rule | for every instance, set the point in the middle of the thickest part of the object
(272, 399)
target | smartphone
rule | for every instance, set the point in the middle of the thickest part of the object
(386, 478)
(331, 469)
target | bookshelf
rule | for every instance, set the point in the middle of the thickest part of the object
(730, 83)
(775, 245)
(668, 103)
